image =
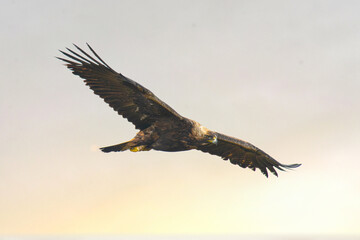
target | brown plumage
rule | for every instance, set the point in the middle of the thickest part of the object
(161, 127)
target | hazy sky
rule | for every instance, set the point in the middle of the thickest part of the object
(283, 75)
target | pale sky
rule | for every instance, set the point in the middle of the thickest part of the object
(283, 75)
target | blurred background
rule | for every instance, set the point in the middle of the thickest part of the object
(283, 75)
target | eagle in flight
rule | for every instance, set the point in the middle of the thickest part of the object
(161, 127)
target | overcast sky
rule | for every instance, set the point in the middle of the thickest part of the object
(283, 75)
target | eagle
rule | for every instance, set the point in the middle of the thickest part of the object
(160, 127)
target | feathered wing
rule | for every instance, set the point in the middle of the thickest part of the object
(131, 100)
(244, 154)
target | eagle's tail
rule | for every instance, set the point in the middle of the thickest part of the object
(117, 148)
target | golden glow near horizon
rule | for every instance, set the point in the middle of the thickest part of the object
(283, 76)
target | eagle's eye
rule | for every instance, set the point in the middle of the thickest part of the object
(212, 139)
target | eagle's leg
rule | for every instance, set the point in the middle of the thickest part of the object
(143, 140)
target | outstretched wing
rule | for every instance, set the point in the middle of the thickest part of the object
(244, 154)
(131, 100)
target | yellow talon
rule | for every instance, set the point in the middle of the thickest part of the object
(139, 148)
(135, 149)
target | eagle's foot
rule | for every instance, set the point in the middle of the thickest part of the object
(139, 148)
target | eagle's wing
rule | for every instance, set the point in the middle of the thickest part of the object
(244, 154)
(131, 100)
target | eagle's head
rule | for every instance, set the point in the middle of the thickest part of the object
(208, 137)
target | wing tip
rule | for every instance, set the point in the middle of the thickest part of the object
(281, 167)
(291, 166)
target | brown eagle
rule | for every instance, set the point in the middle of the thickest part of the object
(161, 127)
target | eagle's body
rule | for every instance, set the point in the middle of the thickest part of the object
(185, 135)
(161, 127)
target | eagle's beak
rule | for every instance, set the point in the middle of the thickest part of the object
(213, 140)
